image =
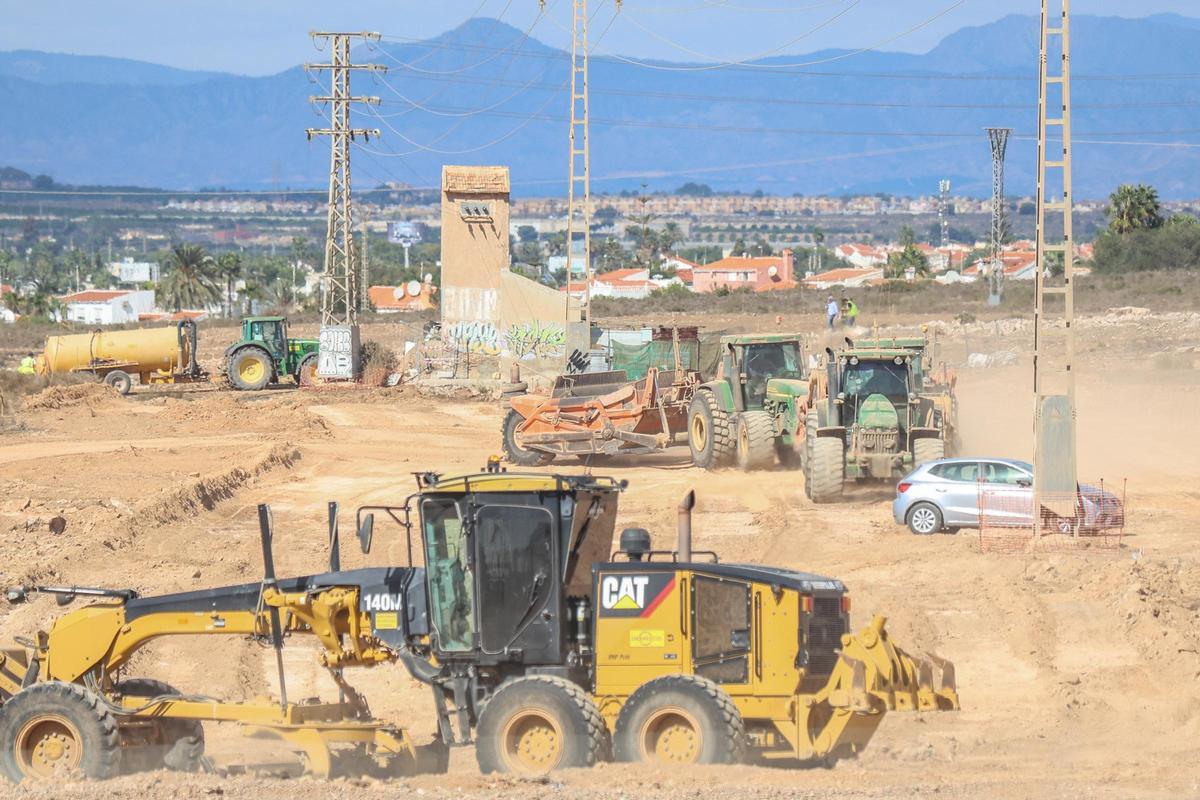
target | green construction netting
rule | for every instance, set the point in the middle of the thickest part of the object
(637, 359)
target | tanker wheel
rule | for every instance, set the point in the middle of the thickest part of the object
(680, 719)
(306, 373)
(826, 469)
(539, 723)
(250, 369)
(178, 743)
(512, 449)
(119, 380)
(709, 433)
(58, 731)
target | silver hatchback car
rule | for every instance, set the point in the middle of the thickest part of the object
(944, 495)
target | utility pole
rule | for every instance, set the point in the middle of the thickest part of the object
(944, 210)
(1055, 477)
(998, 138)
(364, 283)
(340, 296)
(579, 188)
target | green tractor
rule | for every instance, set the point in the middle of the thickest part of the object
(866, 419)
(933, 379)
(265, 354)
(749, 414)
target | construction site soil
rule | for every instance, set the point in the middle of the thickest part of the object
(1079, 672)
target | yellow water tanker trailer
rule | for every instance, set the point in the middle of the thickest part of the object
(155, 355)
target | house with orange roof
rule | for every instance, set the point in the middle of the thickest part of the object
(1019, 265)
(760, 273)
(845, 277)
(861, 255)
(412, 296)
(107, 306)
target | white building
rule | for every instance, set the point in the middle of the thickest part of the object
(107, 307)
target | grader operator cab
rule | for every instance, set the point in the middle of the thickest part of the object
(543, 649)
(749, 413)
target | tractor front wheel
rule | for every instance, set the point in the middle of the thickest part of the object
(537, 724)
(926, 450)
(755, 440)
(57, 731)
(826, 469)
(521, 456)
(709, 432)
(250, 369)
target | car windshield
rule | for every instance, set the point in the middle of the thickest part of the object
(875, 377)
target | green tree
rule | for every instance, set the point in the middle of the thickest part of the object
(909, 258)
(1133, 207)
(191, 278)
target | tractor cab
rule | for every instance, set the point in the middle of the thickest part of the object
(269, 333)
(765, 368)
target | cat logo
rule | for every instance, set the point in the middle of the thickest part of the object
(625, 595)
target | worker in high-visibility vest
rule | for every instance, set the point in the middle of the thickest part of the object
(27, 366)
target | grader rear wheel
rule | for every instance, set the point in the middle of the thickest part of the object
(680, 719)
(537, 724)
(56, 731)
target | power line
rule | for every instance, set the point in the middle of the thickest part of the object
(908, 76)
(786, 101)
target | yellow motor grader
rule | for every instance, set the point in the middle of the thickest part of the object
(543, 648)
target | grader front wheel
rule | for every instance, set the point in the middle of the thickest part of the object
(57, 731)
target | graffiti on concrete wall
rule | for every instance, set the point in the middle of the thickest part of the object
(475, 337)
(536, 339)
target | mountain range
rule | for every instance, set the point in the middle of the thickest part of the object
(831, 122)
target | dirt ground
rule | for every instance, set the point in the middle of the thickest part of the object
(1078, 672)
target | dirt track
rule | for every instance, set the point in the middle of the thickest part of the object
(1078, 672)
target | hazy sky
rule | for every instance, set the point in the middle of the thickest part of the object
(265, 36)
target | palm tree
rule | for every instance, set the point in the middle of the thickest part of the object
(191, 280)
(1133, 207)
(229, 268)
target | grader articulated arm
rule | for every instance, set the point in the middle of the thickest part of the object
(873, 676)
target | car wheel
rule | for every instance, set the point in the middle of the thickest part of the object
(924, 519)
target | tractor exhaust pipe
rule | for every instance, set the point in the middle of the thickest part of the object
(684, 547)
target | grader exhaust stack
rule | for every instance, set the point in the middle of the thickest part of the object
(685, 525)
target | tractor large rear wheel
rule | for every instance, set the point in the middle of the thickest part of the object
(513, 451)
(755, 440)
(926, 450)
(537, 724)
(679, 719)
(175, 744)
(826, 469)
(250, 369)
(57, 731)
(306, 373)
(710, 434)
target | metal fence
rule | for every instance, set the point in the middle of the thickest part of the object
(1092, 518)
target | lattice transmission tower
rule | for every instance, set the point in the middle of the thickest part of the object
(1055, 474)
(579, 186)
(341, 296)
(944, 210)
(998, 138)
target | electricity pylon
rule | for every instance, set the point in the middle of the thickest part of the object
(340, 299)
(998, 138)
(1055, 477)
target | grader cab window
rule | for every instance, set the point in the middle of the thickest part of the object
(721, 616)
(516, 570)
(451, 584)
